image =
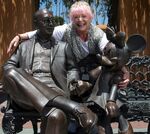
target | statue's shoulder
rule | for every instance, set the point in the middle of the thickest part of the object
(27, 43)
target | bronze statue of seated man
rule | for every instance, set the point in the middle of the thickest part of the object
(38, 76)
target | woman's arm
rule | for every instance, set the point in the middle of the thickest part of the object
(18, 38)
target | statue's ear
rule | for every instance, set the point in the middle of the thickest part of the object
(136, 43)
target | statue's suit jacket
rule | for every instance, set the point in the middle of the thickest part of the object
(62, 62)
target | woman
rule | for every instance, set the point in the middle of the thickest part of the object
(86, 41)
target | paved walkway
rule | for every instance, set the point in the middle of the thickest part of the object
(30, 131)
(139, 128)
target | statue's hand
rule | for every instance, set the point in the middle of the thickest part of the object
(80, 87)
(83, 86)
(105, 61)
(108, 62)
(112, 109)
(29, 71)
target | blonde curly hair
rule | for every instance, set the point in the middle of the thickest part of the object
(80, 6)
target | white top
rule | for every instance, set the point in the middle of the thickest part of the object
(59, 32)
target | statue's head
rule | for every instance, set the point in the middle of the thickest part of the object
(117, 55)
(44, 21)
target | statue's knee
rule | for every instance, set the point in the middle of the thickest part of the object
(58, 116)
(55, 122)
(9, 73)
(9, 80)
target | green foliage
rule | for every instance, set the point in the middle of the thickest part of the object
(59, 20)
(101, 8)
(68, 3)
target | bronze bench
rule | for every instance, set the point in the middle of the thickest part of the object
(15, 117)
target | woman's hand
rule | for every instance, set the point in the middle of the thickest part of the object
(125, 80)
(13, 44)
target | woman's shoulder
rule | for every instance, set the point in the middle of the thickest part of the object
(98, 30)
(61, 27)
(98, 33)
(59, 31)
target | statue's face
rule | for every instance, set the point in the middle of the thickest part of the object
(46, 23)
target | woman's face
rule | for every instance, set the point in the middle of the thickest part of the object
(81, 21)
